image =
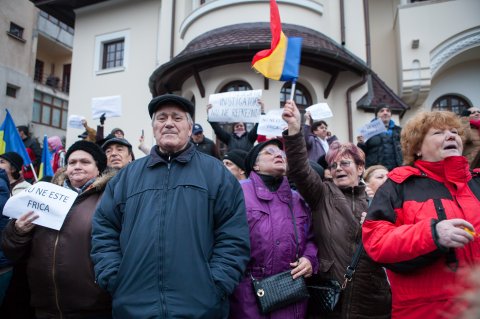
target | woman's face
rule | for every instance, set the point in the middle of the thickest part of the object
(345, 172)
(376, 179)
(439, 144)
(234, 169)
(271, 161)
(7, 167)
(81, 168)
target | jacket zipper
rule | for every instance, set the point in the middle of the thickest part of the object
(162, 236)
(57, 303)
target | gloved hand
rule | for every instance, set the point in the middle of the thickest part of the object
(102, 119)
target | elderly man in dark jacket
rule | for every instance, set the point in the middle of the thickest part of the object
(384, 148)
(170, 237)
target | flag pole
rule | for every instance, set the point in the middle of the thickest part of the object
(34, 173)
(292, 90)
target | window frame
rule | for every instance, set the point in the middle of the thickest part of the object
(14, 30)
(299, 88)
(105, 39)
(51, 107)
(11, 90)
(449, 107)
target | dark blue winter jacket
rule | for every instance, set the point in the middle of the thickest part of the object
(170, 237)
(4, 195)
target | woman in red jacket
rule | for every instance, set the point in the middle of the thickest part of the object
(421, 223)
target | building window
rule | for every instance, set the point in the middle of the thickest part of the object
(16, 31)
(11, 90)
(49, 110)
(453, 103)
(38, 76)
(111, 52)
(302, 97)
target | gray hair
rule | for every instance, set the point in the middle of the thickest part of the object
(189, 118)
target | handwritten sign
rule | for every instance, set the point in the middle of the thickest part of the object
(75, 121)
(320, 111)
(373, 128)
(51, 202)
(110, 105)
(238, 106)
(272, 124)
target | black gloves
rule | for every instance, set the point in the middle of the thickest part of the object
(102, 119)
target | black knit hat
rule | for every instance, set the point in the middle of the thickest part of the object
(92, 149)
(382, 106)
(237, 157)
(14, 159)
(253, 154)
(158, 101)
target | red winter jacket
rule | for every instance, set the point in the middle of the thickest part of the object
(399, 232)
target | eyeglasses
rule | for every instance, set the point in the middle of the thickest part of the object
(475, 112)
(272, 151)
(343, 164)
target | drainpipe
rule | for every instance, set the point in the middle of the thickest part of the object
(342, 22)
(349, 106)
(366, 18)
(172, 30)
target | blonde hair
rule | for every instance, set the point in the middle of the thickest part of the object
(413, 133)
(369, 172)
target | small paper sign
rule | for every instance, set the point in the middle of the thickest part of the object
(373, 128)
(75, 121)
(238, 106)
(320, 111)
(51, 202)
(110, 105)
(272, 123)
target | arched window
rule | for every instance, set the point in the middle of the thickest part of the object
(231, 87)
(302, 97)
(451, 102)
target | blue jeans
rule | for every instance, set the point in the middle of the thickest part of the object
(4, 282)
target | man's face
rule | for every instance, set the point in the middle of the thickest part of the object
(474, 113)
(239, 128)
(118, 156)
(385, 115)
(22, 135)
(197, 138)
(119, 134)
(171, 128)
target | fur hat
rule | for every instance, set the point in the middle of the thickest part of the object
(237, 157)
(92, 149)
(251, 158)
(14, 159)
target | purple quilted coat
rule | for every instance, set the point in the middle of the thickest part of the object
(272, 240)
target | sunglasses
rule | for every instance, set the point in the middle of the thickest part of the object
(343, 164)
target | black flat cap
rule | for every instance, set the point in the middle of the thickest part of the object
(116, 140)
(158, 101)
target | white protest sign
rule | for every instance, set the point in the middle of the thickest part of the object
(75, 121)
(373, 128)
(238, 106)
(110, 105)
(272, 124)
(51, 202)
(320, 111)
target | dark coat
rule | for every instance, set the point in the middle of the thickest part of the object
(4, 195)
(59, 269)
(336, 221)
(170, 237)
(244, 142)
(384, 149)
(207, 146)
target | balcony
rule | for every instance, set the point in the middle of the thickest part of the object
(55, 29)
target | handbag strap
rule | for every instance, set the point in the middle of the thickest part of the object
(452, 261)
(295, 229)
(353, 265)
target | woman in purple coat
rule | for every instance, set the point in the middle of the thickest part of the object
(270, 202)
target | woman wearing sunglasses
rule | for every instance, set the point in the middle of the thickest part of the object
(276, 246)
(337, 206)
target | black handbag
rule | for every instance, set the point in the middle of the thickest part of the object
(324, 295)
(280, 290)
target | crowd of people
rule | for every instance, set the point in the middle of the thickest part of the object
(184, 231)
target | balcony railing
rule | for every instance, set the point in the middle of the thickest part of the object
(53, 81)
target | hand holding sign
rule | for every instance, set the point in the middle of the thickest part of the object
(47, 205)
(373, 128)
(319, 111)
(231, 107)
(75, 121)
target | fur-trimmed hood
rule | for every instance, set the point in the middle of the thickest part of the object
(99, 184)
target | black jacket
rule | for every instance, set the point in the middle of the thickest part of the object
(244, 142)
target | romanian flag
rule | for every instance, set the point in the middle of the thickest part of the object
(46, 165)
(10, 140)
(282, 60)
